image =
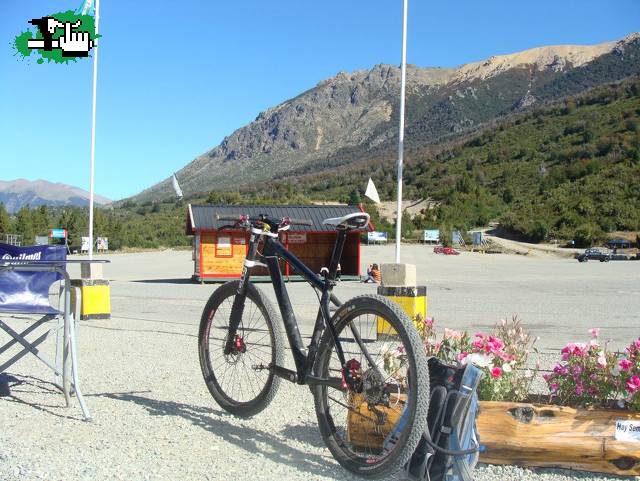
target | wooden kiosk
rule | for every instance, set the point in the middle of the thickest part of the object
(219, 248)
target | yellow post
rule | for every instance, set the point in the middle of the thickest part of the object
(413, 301)
(95, 298)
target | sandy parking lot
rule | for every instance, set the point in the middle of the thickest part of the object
(154, 419)
(559, 299)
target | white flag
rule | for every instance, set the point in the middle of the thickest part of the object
(176, 186)
(371, 192)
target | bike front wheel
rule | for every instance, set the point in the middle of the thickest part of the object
(374, 422)
(239, 381)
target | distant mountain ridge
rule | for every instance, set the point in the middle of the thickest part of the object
(353, 115)
(15, 194)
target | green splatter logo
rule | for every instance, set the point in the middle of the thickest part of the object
(61, 37)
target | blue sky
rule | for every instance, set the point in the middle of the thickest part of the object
(176, 77)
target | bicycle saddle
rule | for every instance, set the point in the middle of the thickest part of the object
(357, 220)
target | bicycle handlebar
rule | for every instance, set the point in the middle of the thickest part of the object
(284, 220)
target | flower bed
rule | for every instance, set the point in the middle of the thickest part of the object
(590, 389)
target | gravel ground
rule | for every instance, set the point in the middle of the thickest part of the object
(154, 418)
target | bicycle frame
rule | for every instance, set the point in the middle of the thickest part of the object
(272, 252)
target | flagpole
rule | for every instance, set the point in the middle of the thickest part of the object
(93, 130)
(403, 76)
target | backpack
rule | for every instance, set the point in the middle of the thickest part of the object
(449, 449)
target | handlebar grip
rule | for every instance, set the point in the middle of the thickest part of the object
(300, 221)
(227, 217)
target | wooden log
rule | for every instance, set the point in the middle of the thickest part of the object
(531, 435)
(556, 436)
(364, 427)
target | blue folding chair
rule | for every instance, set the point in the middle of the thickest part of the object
(26, 277)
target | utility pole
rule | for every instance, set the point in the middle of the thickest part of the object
(93, 130)
(403, 76)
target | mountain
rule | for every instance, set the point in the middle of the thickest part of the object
(15, 194)
(352, 116)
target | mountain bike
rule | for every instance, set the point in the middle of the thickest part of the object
(351, 363)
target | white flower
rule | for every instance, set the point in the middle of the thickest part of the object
(480, 360)
(507, 367)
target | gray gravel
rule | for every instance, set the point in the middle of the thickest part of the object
(154, 418)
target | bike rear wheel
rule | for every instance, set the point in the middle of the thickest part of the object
(373, 426)
(239, 381)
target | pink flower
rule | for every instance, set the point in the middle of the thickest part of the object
(428, 322)
(553, 387)
(452, 334)
(560, 369)
(625, 364)
(602, 361)
(462, 356)
(594, 331)
(633, 384)
(579, 390)
(497, 372)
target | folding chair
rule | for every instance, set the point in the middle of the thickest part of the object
(26, 276)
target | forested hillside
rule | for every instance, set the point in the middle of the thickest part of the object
(570, 170)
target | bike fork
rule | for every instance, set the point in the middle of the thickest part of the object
(237, 309)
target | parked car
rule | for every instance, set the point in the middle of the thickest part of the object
(449, 251)
(594, 254)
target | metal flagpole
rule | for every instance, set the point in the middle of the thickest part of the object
(403, 76)
(93, 130)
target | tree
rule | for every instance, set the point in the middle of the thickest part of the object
(24, 225)
(5, 220)
(354, 197)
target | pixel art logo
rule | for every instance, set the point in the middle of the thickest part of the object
(59, 37)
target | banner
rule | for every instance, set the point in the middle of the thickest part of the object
(102, 244)
(20, 290)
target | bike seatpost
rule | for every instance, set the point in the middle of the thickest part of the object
(337, 252)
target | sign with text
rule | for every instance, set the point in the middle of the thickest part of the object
(431, 235)
(300, 238)
(58, 233)
(223, 247)
(84, 244)
(376, 236)
(627, 430)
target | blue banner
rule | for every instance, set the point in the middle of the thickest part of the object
(22, 291)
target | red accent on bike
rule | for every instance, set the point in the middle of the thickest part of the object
(353, 368)
(239, 344)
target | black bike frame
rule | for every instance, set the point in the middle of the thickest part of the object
(272, 252)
